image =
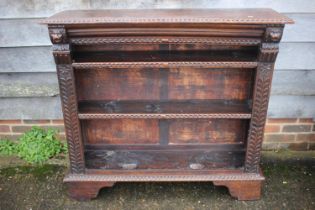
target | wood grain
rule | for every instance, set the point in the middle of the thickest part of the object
(239, 16)
(138, 84)
(187, 83)
(165, 106)
(146, 84)
(202, 131)
(122, 131)
(165, 159)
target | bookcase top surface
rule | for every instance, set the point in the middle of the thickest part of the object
(138, 16)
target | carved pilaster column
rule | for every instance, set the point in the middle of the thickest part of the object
(62, 55)
(266, 58)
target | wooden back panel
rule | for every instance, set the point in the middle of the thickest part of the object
(155, 84)
(166, 132)
(121, 131)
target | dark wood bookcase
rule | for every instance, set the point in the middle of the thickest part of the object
(165, 95)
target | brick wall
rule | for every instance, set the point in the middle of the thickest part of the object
(289, 133)
(12, 129)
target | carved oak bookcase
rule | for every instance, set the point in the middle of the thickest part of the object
(165, 95)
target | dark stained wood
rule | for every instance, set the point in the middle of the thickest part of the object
(158, 65)
(146, 44)
(165, 106)
(187, 83)
(137, 175)
(182, 83)
(242, 190)
(202, 131)
(85, 191)
(246, 54)
(164, 131)
(165, 95)
(235, 146)
(166, 159)
(137, 84)
(167, 32)
(260, 105)
(238, 16)
(65, 74)
(122, 131)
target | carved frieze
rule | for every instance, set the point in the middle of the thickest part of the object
(172, 40)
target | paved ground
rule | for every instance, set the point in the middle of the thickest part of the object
(290, 184)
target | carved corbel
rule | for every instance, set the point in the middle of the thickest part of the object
(61, 47)
(273, 34)
(57, 34)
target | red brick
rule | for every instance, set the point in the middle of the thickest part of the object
(37, 121)
(306, 120)
(298, 146)
(272, 128)
(4, 128)
(303, 146)
(282, 120)
(7, 122)
(297, 128)
(283, 146)
(21, 128)
(59, 128)
(270, 146)
(279, 137)
(308, 137)
(58, 122)
(24, 128)
(10, 136)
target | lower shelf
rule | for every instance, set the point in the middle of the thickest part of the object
(163, 159)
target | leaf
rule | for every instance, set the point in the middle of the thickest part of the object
(38, 145)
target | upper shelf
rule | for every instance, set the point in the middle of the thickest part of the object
(230, 16)
(129, 65)
(167, 109)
